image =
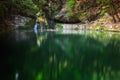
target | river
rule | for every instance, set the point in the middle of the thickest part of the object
(60, 55)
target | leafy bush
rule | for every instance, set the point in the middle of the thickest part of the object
(60, 26)
(70, 5)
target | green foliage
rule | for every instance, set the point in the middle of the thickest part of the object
(29, 1)
(69, 14)
(105, 9)
(60, 26)
(103, 12)
(70, 5)
(18, 6)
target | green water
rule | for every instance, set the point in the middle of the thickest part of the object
(60, 55)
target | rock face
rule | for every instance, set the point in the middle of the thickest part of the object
(17, 21)
(12, 12)
(63, 17)
(74, 26)
(106, 22)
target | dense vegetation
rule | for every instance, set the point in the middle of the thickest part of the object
(67, 11)
(82, 9)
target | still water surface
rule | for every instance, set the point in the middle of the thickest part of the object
(60, 55)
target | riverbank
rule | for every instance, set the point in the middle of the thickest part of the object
(104, 23)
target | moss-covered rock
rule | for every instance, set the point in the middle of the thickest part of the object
(105, 23)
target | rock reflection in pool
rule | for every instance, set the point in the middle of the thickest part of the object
(73, 56)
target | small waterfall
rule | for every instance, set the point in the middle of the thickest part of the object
(35, 28)
(41, 25)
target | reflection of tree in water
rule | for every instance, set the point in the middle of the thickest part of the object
(21, 35)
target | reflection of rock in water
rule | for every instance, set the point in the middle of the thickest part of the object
(21, 35)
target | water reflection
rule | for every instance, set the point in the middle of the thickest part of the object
(40, 37)
(16, 76)
(73, 56)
